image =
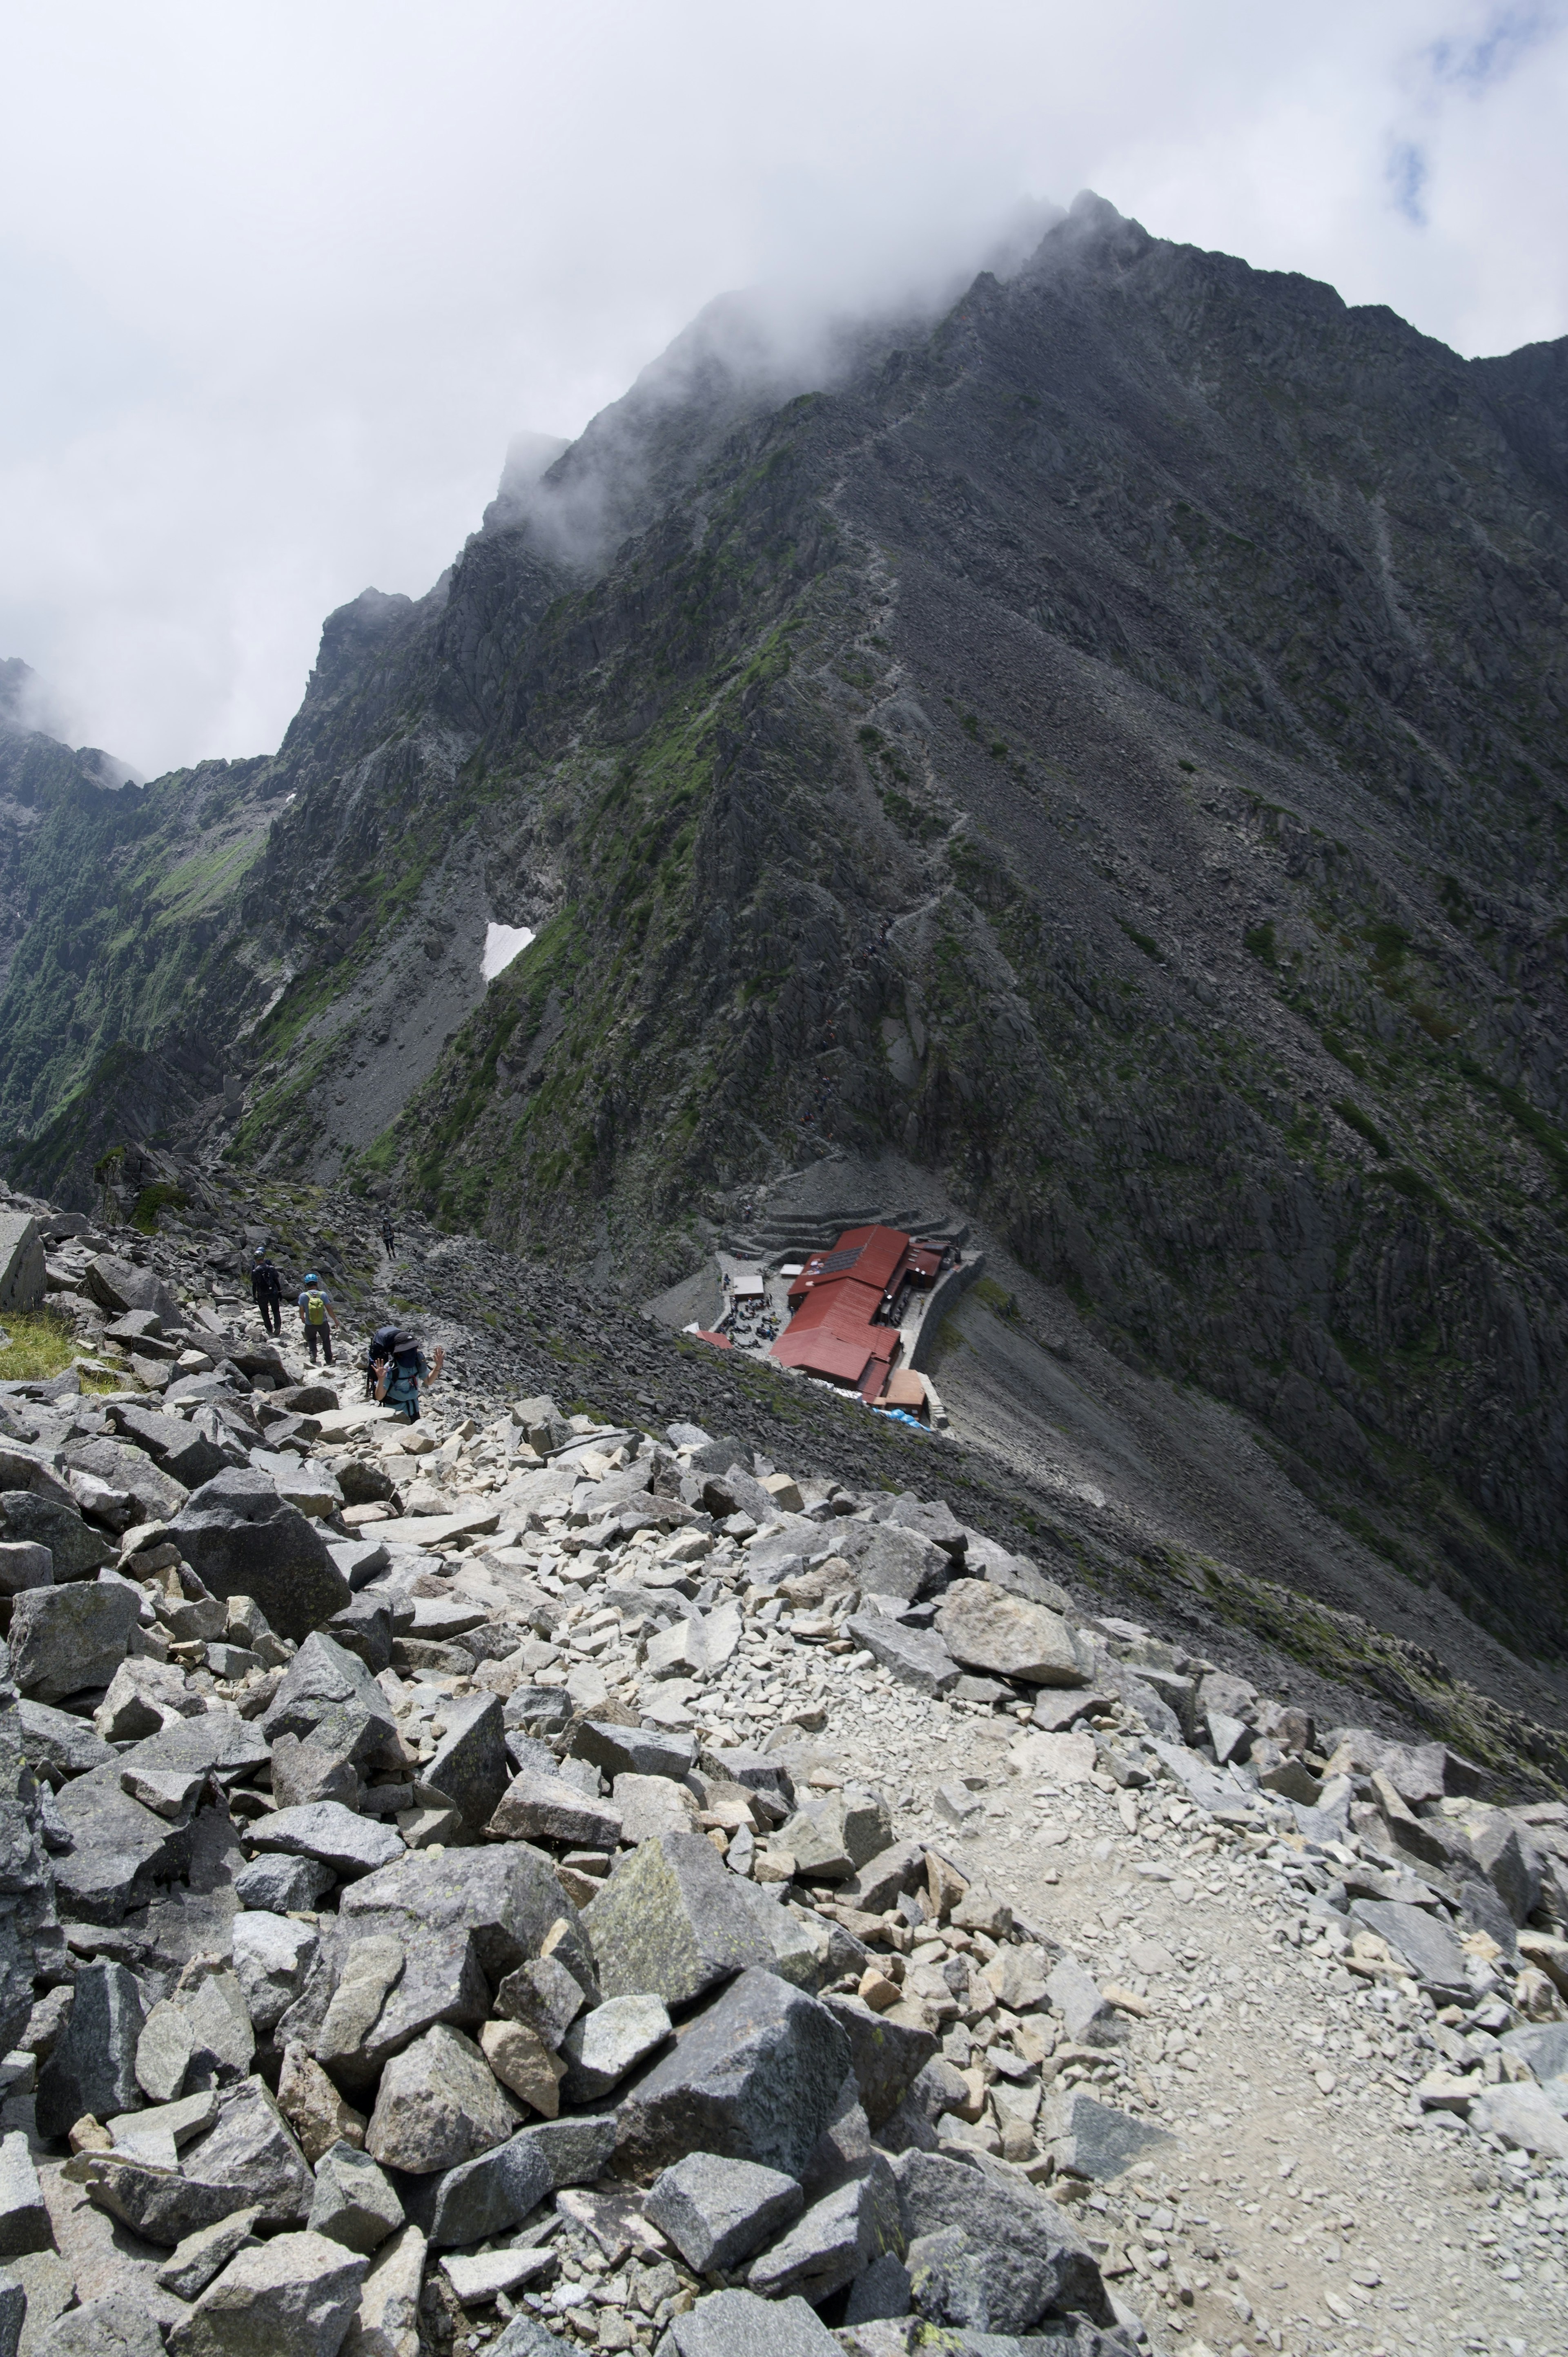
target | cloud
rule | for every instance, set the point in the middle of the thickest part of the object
(281, 287)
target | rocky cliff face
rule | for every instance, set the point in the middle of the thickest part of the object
(1108, 746)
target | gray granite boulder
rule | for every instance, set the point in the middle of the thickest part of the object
(988, 2255)
(837, 2239)
(63, 1639)
(602, 2046)
(717, 2212)
(76, 1549)
(672, 1920)
(755, 2077)
(93, 2065)
(485, 2196)
(242, 1539)
(294, 2297)
(738, 2324)
(438, 2105)
(984, 1629)
(887, 2057)
(353, 2202)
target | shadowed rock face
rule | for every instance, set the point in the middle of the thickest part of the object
(1109, 747)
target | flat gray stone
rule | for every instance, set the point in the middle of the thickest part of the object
(755, 2077)
(544, 1996)
(671, 1919)
(602, 2046)
(294, 2297)
(634, 1751)
(717, 2212)
(1524, 2117)
(738, 2324)
(247, 2161)
(887, 2057)
(353, 2202)
(192, 2264)
(577, 2150)
(547, 1808)
(24, 1563)
(326, 1687)
(505, 1897)
(277, 1883)
(1086, 2016)
(117, 2325)
(915, 1657)
(487, 2195)
(351, 1845)
(648, 1805)
(836, 2240)
(1094, 2140)
(1434, 1955)
(76, 1550)
(273, 1955)
(831, 1837)
(164, 2052)
(890, 1561)
(24, 2218)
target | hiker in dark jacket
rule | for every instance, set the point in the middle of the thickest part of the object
(405, 1373)
(266, 1288)
(315, 1316)
(386, 1237)
(378, 1351)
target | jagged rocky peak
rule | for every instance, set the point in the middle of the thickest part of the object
(1102, 744)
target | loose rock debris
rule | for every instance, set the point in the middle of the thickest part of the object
(517, 1882)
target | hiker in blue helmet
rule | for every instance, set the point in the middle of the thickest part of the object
(314, 1316)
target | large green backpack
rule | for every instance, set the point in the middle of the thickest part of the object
(315, 1310)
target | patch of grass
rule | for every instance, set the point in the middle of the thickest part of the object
(996, 1297)
(1144, 941)
(1354, 1118)
(1190, 766)
(1258, 941)
(41, 1343)
(1410, 1185)
(161, 1197)
(1535, 1126)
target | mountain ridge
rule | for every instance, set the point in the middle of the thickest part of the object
(1107, 745)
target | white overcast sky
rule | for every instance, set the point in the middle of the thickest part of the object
(278, 283)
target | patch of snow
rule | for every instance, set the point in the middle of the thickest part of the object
(502, 943)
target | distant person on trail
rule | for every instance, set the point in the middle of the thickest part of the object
(386, 1237)
(377, 1354)
(315, 1316)
(405, 1373)
(266, 1287)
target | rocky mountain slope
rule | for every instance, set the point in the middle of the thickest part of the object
(526, 1881)
(1106, 746)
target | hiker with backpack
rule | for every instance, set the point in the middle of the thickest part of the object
(266, 1289)
(378, 1351)
(405, 1373)
(386, 1237)
(315, 1316)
